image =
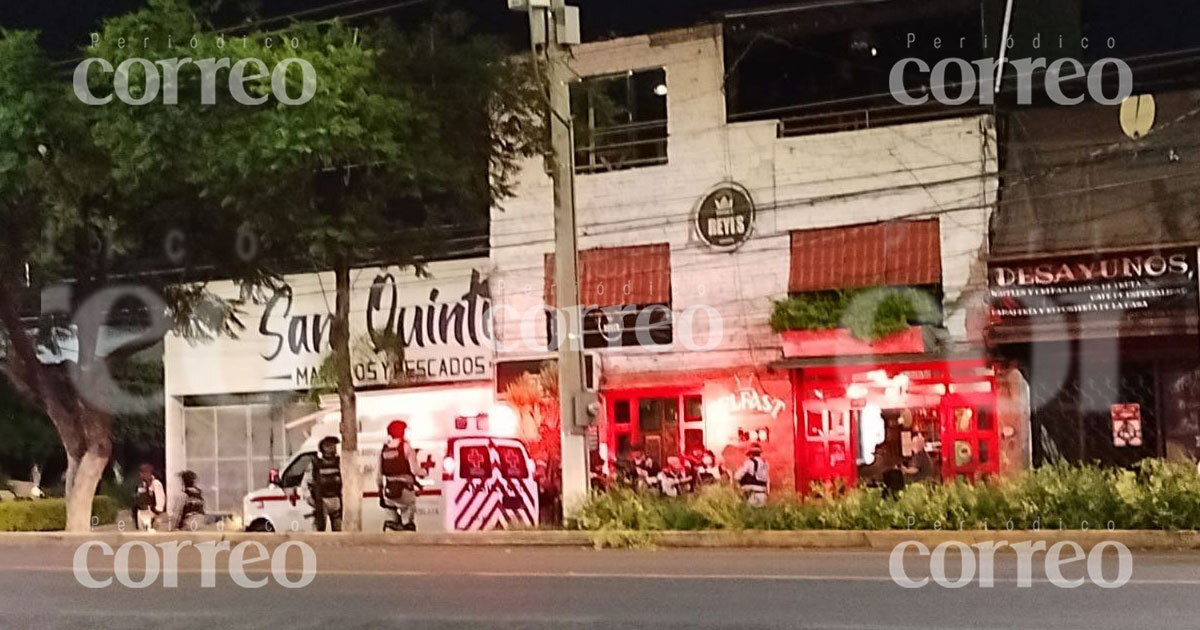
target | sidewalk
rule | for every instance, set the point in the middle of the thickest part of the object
(810, 539)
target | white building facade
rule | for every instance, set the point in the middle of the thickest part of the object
(725, 385)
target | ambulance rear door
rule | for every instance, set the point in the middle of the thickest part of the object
(490, 485)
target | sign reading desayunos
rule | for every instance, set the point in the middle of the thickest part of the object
(1093, 285)
(442, 320)
(725, 217)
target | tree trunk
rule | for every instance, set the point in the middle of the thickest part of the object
(86, 461)
(83, 487)
(340, 341)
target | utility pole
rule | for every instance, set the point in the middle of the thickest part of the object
(558, 25)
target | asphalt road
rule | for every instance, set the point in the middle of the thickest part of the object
(440, 587)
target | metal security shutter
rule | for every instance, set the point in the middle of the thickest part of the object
(231, 449)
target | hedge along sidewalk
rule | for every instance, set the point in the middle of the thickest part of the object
(882, 540)
(49, 514)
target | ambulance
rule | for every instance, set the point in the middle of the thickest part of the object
(476, 473)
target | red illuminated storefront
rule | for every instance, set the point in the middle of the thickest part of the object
(723, 411)
(861, 404)
(858, 420)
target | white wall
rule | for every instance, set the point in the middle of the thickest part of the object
(945, 168)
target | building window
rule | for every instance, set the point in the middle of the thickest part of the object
(625, 293)
(822, 67)
(620, 120)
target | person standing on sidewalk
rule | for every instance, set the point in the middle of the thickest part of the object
(324, 482)
(149, 499)
(753, 477)
(398, 479)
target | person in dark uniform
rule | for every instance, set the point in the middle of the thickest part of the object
(324, 482)
(193, 501)
(398, 479)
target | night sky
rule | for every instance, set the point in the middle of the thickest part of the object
(65, 24)
(1140, 27)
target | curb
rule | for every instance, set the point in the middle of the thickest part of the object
(883, 540)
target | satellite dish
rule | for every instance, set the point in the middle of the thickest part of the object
(1137, 115)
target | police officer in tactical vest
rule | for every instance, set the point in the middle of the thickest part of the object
(398, 479)
(324, 481)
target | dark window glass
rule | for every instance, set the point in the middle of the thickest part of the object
(512, 462)
(650, 414)
(295, 472)
(692, 408)
(620, 120)
(621, 412)
(474, 462)
(983, 419)
(628, 326)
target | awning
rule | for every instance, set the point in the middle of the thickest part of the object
(896, 253)
(619, 276)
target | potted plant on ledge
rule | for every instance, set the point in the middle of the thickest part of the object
(878, 320)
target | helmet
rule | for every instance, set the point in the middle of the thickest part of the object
(396, 429)
(328, 441)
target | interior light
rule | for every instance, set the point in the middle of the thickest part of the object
(661, 89)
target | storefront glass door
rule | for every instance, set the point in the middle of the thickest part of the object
(969, 438)
(661, 423)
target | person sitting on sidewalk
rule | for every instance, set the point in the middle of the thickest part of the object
(753, 477)
(191, 515)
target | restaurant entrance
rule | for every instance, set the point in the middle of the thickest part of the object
(867, 424)
(660, 421)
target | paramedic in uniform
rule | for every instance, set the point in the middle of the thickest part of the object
(753, 477)
(398, 479)
(324, 482)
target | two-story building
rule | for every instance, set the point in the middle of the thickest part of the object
(692, 227)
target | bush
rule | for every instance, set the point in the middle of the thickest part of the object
(870, 314)
(44, 515)
(1155, 494)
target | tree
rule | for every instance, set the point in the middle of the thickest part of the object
(58, 215)
(405, 132)
(77, 212)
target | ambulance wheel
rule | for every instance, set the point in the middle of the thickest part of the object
(261, 525)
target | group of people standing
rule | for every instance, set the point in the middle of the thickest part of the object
(396, 481)
(685, 474)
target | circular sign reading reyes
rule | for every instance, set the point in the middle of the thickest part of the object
(725, 217)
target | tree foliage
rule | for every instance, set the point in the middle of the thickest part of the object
(407, 131)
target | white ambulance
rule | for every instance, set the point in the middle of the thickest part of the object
(476, 472)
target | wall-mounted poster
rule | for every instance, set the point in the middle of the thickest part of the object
(1127, 424)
